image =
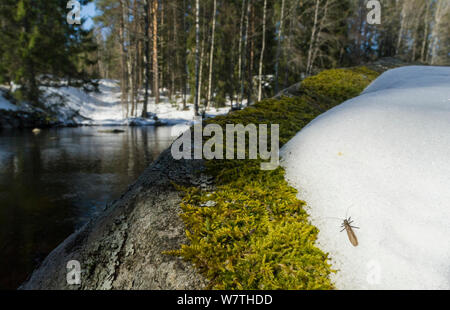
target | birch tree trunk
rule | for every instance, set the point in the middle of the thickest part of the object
(402, 27)
(423, 55)
(161, 44)
(261, 58)
(313, 37)
(247, 17)
(185, 69)
(318, 36)
(251, 56)
(211, 56)
(288, 49)
(415, 34)
(241, 35)
(137, 74)
(123, 53)
(155, 52)
(146, 55)
(130, 60)
(200, 82)
(441, 11)
(277, 57)
(197, 56)
(175, 39)
(130, 81)
(135, 59)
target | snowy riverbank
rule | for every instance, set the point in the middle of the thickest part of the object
(74, 106)
(383, 159)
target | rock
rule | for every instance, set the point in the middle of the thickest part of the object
(290, 92)
(23, 119)
(112, 131)
(124, 247)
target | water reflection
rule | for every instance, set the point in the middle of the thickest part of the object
(52, 183)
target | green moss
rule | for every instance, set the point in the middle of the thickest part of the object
(252, 232)
(332, 87)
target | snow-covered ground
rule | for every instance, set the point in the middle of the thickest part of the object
(104, 108)
(6, 105)
(382, 159)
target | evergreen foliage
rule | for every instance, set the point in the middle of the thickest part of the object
(38, 46)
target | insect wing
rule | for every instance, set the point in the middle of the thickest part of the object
(351, 236)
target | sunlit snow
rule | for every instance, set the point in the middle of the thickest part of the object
(382, 158)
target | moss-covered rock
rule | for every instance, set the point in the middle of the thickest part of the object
(332, 87)
(252, 232)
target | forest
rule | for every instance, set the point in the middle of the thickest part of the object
(97, 99)
(209, 52)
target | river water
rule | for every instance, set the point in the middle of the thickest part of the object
(53, 182)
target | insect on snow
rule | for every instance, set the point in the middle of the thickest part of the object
(347, 225)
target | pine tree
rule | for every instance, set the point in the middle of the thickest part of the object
(42, 47)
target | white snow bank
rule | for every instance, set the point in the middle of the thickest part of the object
(410, 77)
(384, 159)
(6, 105)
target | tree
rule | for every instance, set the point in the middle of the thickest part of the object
(197, 57)
(280, 36)
(39, 47)
(146, 56)
(211, 54)
(124, 85)
(222, 49)
(442, 10)
(313, 38)
(240, 56)
(261, 58)
(244, 62)
(155, 51)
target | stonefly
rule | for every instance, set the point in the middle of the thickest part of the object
(347, 225)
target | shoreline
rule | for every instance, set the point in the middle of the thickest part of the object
(29, 120)
(123, 248)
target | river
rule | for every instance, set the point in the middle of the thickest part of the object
(54, 182)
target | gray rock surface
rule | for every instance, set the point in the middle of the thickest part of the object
(123, 248)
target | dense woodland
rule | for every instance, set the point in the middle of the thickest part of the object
(221, 52)
(38, 46)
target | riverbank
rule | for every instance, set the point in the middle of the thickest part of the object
(126, 247)
(68, 106)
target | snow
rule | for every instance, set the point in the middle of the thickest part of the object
(76, 106)
(104, 108)
(382, 158)
(6, 105)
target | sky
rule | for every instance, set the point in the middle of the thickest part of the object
(88, 11)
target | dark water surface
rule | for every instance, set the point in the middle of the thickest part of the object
(53, 182)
